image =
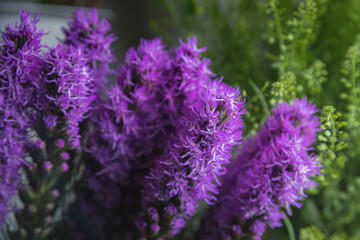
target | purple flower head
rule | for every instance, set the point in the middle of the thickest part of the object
(193, 70)
(271, 170)
(131, 122)
(199, 153)
(209, 122)
(22, 36)
(19, 60)
(94, 36)
(67, 89)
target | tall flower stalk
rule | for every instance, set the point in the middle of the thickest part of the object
(163, 137)
(44, 95)
(270, 171)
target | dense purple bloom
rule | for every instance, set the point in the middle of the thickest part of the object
(197, 154)
(208, 123)
(131, 128)
(66, 90)
(271, 170)
(167, 128)
(131, 122)
(19, 60)
(94, 36)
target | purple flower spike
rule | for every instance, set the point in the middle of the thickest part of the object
(22, 36)
(166, 129)
(209, 121)
(94, 36)
(67, 89)
(271, 170)
(19, 60)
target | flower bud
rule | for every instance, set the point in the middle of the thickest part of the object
(55, 193)
(65, 156)
(48, 165)
(60, 143)
(64, 167)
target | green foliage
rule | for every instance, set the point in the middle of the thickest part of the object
(276, 50)
(285, 89)
(351, 95)
(293, 37)
(311, 233)
(303, 73)
(341, 236)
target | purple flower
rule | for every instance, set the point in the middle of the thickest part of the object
(197, 155)
(131, 123)
(94, 36)
(66, 89)
(270, 171)
(166, 130)
(19, 60)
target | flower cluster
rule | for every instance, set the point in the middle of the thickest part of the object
(271, 170)
(166, 128)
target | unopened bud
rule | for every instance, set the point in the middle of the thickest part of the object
(65, 167)
(65, 156)
(60, 143)
(155, 228)
(50, 206)
(48, 165)
(55, 193)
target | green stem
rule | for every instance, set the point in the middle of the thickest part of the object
(289, 228)
(278, 32)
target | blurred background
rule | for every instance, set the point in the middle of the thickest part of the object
(130, 20)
